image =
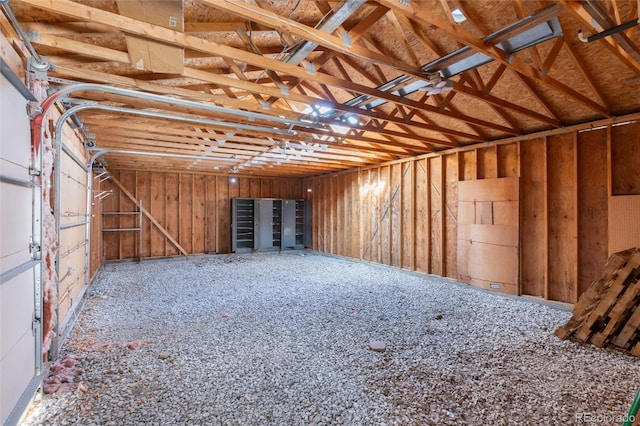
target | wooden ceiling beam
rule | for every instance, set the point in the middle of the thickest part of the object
(265, 17)
(511, 61)
(367, 145)
(553, 54)
(129, 25)
(224, 154)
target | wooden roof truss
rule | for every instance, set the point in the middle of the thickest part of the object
(328, 85)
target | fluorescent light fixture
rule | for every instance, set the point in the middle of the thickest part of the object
(339, 129)
(458, 16)
(353, 120)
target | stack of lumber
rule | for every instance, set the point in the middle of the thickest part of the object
(607, 313)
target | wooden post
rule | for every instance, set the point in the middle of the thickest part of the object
(427, 165)
(546, 218)
(576, 212)
(443, 227)
(412, 212)
(140, 232)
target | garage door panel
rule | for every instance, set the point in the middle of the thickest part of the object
(15, 225)
(19, 356)
(16, 369)
(16, 307)
(14, 127)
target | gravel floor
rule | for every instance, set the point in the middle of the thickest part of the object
(283, 339)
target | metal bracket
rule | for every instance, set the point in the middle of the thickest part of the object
(35, 250)
(35, 324)
(38, 69)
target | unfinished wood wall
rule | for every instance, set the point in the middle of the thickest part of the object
(404, 214)
(194, 209)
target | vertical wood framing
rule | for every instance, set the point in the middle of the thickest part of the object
(401, 213)
(443, 218)
(193, 209)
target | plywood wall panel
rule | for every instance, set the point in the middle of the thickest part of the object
(96, 237)
(533, 228)
(185, 236)
(507, 162)
(354, 214)
(562, 193)
(224, 194)
(592, 208)
(199, 219)
(376, 214)
(172, 203)
(469, 165)
(422, 216)
(110, 241)
(128, 239)
(395, 227)
(211, 212)
(244, 187)
(157, 209)
(365, 215)
(625, 159)
(437, 214)
(487, 163)
(451, 214)
(407, 239)
(143, 193)
(385, 223)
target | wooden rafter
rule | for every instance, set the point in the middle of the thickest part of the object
(492, 51)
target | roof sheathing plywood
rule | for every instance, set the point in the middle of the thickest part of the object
(484, 105)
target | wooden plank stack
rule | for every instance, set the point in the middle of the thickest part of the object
(607, 313)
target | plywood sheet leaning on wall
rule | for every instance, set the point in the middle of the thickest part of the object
(607, 313)
(488, 238)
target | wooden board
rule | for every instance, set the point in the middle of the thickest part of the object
(172, 203)
(451, 215)
(395, 228)
(436, 214)
(562, 193)
(150, 55)
(157, 208)
(422, 216)
(385, 222)
(625, 159)
(533, 249)
(487, 163)
(407, 215)
(507, 162)
(469, 165)
(487, 252)
(592, 207)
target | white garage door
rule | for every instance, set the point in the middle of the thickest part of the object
(20, 359)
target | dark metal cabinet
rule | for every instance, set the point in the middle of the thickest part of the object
(266, 224)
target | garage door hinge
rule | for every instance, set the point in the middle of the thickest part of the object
(35, 250)
(35, 324)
